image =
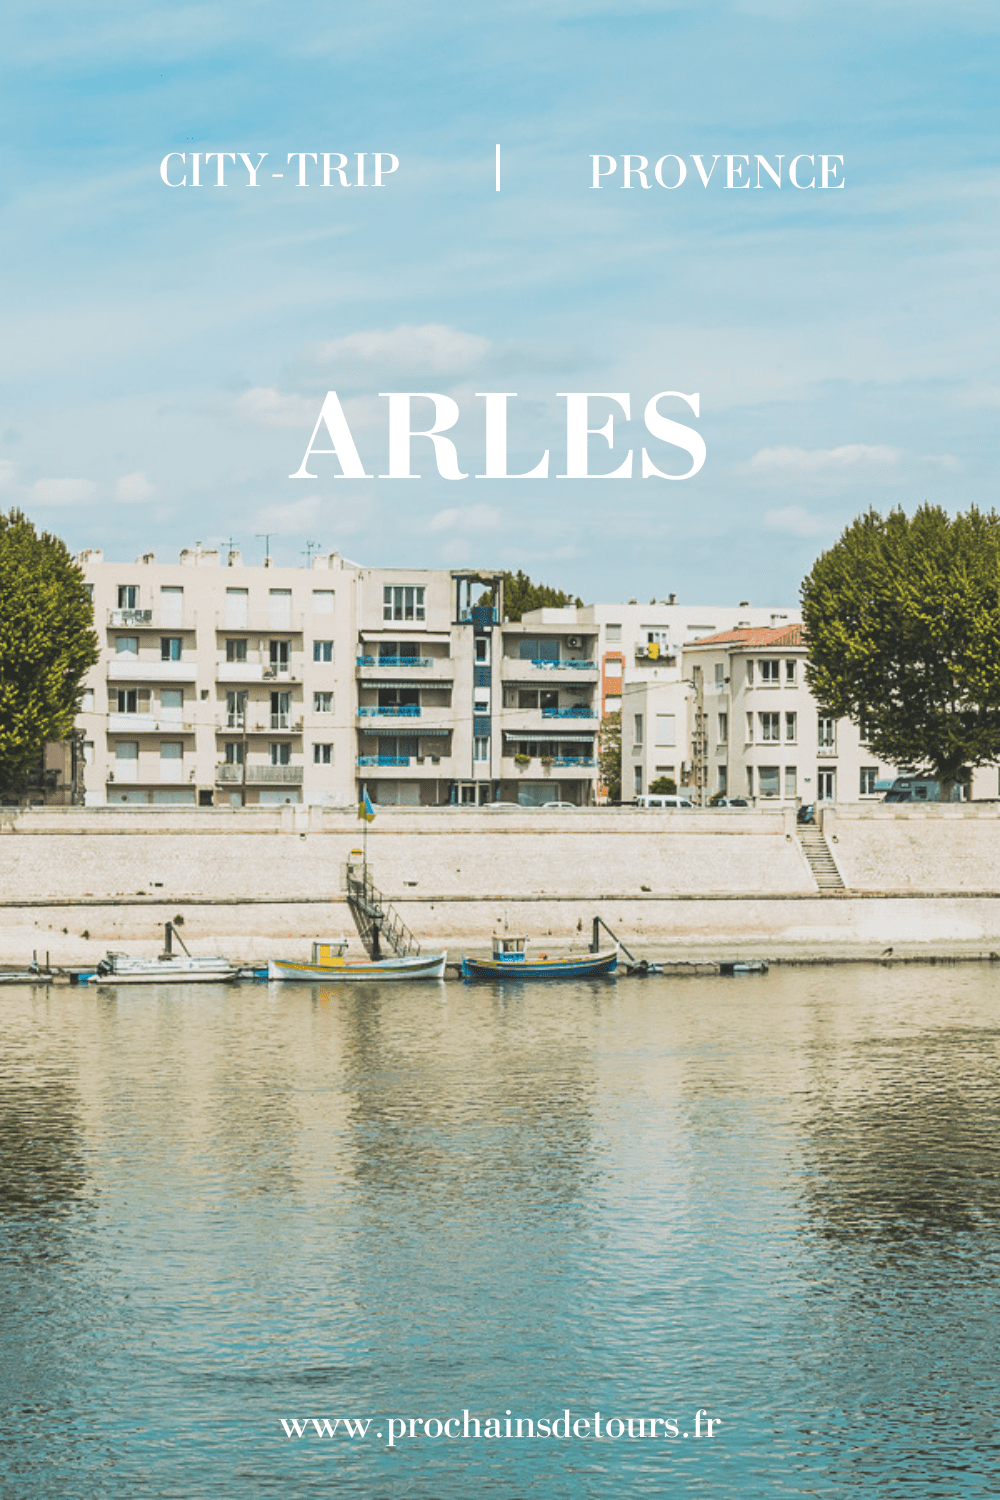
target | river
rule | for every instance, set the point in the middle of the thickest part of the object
(771, 1203)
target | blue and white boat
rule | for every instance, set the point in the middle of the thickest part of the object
(510, 961)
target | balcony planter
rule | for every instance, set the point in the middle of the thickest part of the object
(522, 760)
(548, 761)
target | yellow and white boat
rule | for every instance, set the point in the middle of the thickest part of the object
(330, 964)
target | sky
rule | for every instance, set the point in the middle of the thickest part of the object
(167, 350)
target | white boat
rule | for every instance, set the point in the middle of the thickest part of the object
(330, 964)
(167, 967)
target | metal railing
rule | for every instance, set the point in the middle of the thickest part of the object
(383, 760)
(391, 711)
(396, 661)
(574, 760)
(258, 775)
(568, 713)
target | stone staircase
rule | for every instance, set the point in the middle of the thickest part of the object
(817, 852)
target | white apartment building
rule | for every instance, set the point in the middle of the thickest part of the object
(219, 685)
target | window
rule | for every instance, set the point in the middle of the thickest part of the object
(482, 648)
(613, 666)
(864, 731)
(720, 674)
(236, 704)
(749, 781)
(279, 606)
(749, 729)
(545, 649)
(234, 753)
(127, 760)
(402, 602)
(87, 701)
(322, 651)
(666, 729)
(527, 698)
(278, 654)
(171, 760)
(750, 672)
(323, 601)
(770, 672)
(791, 728)
(171, 647)
(637, 780)
(826, 734)
(126, 645)
(770, 726)
(481, 748)
(128, 700)
(826, 786)
(723, 728)
(128, 596)
(280, 753)
(172, 703)
(722, 778)
(236, 650)
(88, 752)
(869, 776)
(637, 734)
(322, 755)
(171, 606)
(481, 702)
(280, 710)
(789, 672)
(612, 633)
(401, 746)
(237, 608)
(791, 782)
(322, 703)
(769, 781)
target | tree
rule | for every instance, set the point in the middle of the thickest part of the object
(902, 620)
(609, 755)
(663, 786)
(47, 643)
(520, 595)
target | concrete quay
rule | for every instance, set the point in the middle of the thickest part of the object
(920, 882)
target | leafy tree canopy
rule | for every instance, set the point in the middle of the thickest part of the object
(521, 595)
(902, 619)
(47, 643)
(609, 755)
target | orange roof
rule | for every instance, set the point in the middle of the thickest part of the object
(757, 635)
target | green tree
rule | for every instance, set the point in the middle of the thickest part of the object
(47, 643)
(609, 755)
(521, 595)
(902, 620)
(663, 786)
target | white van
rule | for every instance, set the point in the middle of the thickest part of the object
(656, 799)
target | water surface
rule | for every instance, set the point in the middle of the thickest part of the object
(772, 1199)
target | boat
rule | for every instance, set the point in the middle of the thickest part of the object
(510, 961)
(167, 967)
(331, 964)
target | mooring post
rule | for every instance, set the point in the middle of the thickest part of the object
(595, 941)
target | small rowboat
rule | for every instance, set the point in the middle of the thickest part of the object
(510, 961)
(330, 964)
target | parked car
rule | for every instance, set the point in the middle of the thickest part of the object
(656, 799)
(729, 802)
(561, 806)
(806, 813)
(918, 789)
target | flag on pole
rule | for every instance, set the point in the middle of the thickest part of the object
(365, 809)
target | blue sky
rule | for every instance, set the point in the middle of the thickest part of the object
(167, 351)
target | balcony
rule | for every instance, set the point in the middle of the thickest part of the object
(374, 670)
(568, 713)
(148, 619)
(283, 723)
(232, 775)
(139, 669)
(535, 669)
(391, 711)
(254, 671)
(396, 661)
(261, 623)
(384, 760)
(827, 751)
(147, 724)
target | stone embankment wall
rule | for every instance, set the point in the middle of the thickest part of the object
(74, 882)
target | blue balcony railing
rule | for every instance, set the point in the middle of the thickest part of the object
(383, 760)
(393, 711)
(573, 760)
(580, 663)
(395, 661)
(568, 713)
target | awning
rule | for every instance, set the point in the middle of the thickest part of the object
(549, 734)
(403, 630)
(375, 727)
(397, 682)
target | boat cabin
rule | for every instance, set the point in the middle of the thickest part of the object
(329, 952)
(510, 950)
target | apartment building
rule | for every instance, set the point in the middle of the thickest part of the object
(219, 685)
(455, 704)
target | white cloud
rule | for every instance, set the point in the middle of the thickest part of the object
(472, 518)
(827, 470)
(63, 491)
(796, 521)
(8, 473)
(268, 407)
(431, 349)
(131, 489)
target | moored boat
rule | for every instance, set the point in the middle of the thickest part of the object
(167, 968)
(510, 961)
(330, 964)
